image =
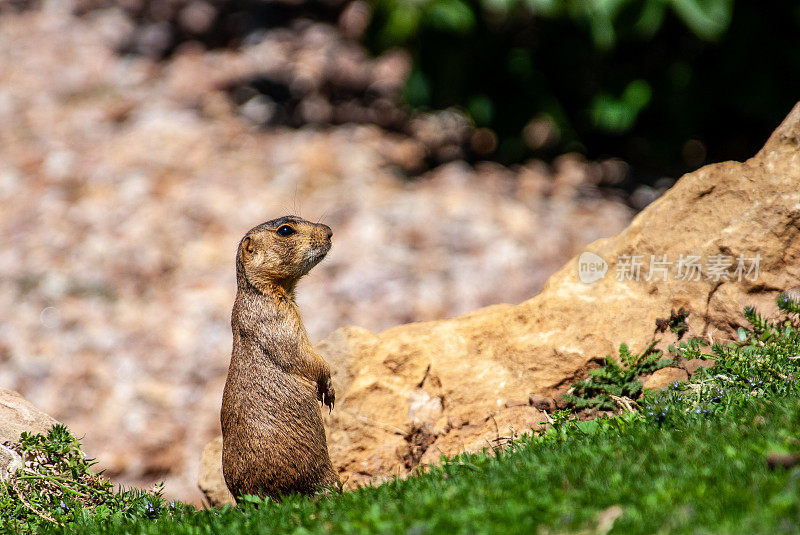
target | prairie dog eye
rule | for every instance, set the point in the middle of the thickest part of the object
(285, 230)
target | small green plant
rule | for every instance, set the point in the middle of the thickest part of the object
(690, 349)
(676, 323)
(55, 486)
(762, 363)
(608, 386)
(758, 323)
(788, 304)
(760, 356)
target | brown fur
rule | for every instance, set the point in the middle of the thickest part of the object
(273, 437)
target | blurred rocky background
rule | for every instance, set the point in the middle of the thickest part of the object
(140, 139)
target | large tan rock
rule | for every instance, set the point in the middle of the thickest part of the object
(418, 391)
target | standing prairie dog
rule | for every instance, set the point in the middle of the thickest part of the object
(273, 437)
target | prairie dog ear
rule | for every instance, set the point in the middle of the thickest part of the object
(248, 247)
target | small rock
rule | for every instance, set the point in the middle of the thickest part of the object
(197, 17)
(10, 462)
(664, 377)
(542, 403)
(782, 460)
(210, 478)
(355, 19)
(691, 366)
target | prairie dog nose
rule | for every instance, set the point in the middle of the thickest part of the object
(326, 230)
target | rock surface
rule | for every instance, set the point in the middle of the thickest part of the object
(210, 479)
(10, 462)
(16, 416)
(664, 377)
(414, 392)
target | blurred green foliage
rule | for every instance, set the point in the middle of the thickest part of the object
(665, 84)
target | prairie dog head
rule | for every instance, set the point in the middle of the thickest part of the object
(280, 251)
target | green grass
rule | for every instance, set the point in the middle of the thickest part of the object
(692, 460)
(707, 475)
